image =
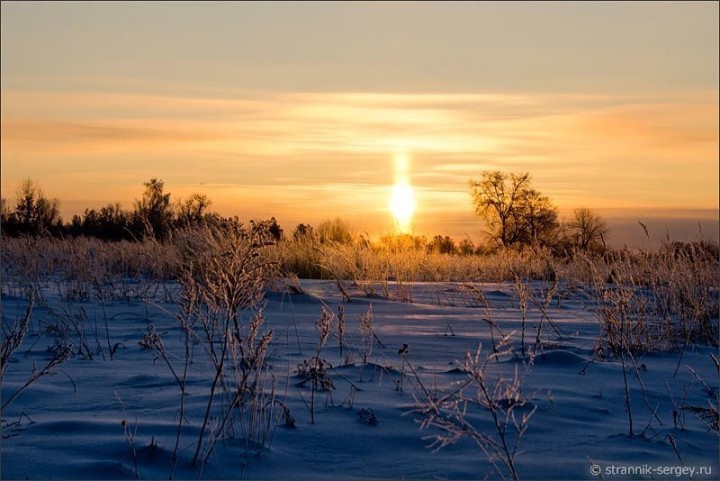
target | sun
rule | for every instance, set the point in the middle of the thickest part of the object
(402, 205)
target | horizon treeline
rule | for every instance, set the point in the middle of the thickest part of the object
(515, 214)
(152, 216)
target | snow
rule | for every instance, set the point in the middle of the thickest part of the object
(70, 423)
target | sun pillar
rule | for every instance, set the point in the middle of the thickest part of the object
(402, 198)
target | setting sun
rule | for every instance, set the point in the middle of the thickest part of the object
(402, 198)
(402, 205)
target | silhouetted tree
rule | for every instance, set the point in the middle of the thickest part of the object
(192, 211)
(75, 228)
(275, 230)
(497, 197)
(539, 218)
(110, 223)
(514, 211)
(34, 213)
(153, 212)
(588, 229)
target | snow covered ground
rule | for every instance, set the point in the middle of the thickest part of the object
(117, 419)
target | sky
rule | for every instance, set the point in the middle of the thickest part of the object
(301, 110)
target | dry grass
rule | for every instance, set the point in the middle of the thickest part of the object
(657, 301)
(453, 411)
(12, 339)
(670, 293)
(647, 301)
(222, 273)
(315, 371)
(374, 268)
(80, 268)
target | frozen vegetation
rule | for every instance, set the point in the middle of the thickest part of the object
(203, 358)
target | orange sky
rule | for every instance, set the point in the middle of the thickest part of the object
(304, 134)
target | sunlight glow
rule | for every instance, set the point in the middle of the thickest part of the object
(402, 198)
(402, 205)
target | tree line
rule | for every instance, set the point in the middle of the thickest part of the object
(515, 215)
(153, 216)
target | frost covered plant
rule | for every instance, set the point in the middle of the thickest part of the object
(315, 370)
(658, 301)
(522, 292)
(227, 266)
(152, 341)
(366, 333)
(709, 414)
(224, 271)
(129, 435)
(368, 336)
(12, 340)
(322, 325)
(403, 353)
(253, 395)
(341, 329)
(452, 412)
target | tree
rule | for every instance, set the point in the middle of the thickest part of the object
(34, 213)
(539, 218)
(588, 229)
(514, 211)
(496, 197)
(114, 223)
(153, 212)
(109, 223)
(192, 211)
(75, 228)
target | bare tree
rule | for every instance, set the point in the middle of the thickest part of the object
(154, 211)
(588, 229)
(540, 218)
(192, 211)
(515, 212)
(496, 197)
(34, 213)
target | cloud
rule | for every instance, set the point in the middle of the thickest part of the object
(291, 149)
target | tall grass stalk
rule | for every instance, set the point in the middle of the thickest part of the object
(450, 411)
(225, 272)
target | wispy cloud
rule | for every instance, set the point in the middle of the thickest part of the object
(332, 153)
